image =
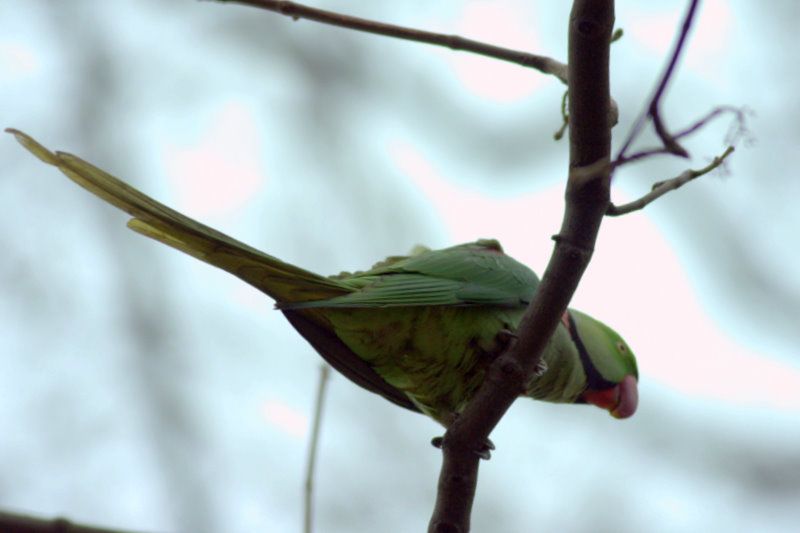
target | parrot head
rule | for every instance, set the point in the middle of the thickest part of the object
(610, 366)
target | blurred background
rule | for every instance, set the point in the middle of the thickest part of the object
(142, 389)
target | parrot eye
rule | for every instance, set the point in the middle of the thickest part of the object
(621, 347)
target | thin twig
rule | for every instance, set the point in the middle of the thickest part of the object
(663, 187)
(738, 124)
(543, 64)
(652, 109)
(308, 515)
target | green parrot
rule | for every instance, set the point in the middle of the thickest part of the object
(420, 330)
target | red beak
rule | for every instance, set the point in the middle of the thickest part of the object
(621, 401)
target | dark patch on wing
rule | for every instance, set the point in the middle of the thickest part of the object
(342, 358)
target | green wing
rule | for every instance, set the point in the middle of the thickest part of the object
(477, 273)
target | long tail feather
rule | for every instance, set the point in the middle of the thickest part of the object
(282, 281)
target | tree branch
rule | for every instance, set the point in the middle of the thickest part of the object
(663, 187)
(543, 64)
(591, 23)
(17, 523)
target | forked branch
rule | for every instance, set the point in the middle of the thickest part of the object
(652, 111)
(669, 141)
(737, 131)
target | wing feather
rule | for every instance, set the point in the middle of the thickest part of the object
(468, 274)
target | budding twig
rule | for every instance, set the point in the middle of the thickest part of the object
(663, 187)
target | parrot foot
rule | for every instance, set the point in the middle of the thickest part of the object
(484, 451)
(541, 368)
(503, 340)
(506, 337)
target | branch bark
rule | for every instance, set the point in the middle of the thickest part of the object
(587, 197)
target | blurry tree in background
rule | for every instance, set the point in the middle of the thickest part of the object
(124, 407)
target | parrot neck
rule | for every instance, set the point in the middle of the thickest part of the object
(594, 379)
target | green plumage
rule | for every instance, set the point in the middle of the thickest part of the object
(420, 329)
